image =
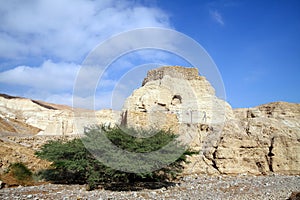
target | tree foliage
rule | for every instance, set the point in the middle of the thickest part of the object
(74, 162)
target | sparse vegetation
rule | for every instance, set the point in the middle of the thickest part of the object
(20, 171)
(18, 174)
(73, 162)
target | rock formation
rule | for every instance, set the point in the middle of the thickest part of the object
(20, 115)
(259, 141)
(179, 91)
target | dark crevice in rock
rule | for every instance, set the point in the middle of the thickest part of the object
(142, 108)
(214, 160)
(247, 127)
(260, 168)
(247, 147)
(250, 114)
(270, 155)
(124, 119)
(162, 104)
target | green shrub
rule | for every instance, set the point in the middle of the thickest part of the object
(73, 162)
(20, 172)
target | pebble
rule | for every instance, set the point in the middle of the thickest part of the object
(190, 187)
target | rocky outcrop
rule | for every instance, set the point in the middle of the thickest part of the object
(26, 116)
(260, 140)
(175, 94)
(269, 139)
(25, 125)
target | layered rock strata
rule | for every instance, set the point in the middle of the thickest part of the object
(21, 115)
(260, 140)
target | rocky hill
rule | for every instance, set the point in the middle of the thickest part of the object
(27, 124)
(21, 115)
(261, 140)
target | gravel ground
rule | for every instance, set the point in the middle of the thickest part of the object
(189, 187)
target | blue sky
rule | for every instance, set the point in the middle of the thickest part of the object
(255, 45)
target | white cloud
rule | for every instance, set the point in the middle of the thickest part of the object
(217, 17)
(51, 77)
(63, 32)
(68, 29)
(59, 34)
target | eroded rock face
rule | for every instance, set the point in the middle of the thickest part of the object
(269, 140)
(20, 115)
(175, 91)
(260, 140)
(179, 99)
(261, 143)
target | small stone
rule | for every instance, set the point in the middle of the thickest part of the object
(29, 196)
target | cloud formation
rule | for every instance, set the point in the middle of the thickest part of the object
(68, 29)
(52, 77)
(217, 17)
(54, 37)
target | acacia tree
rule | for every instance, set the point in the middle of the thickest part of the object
(73, 162)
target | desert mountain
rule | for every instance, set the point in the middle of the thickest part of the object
(260, 140)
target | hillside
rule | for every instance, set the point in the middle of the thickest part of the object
(261, 140)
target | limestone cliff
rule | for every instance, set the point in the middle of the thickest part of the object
(178, 93)
(26, 116)
(260, 140)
